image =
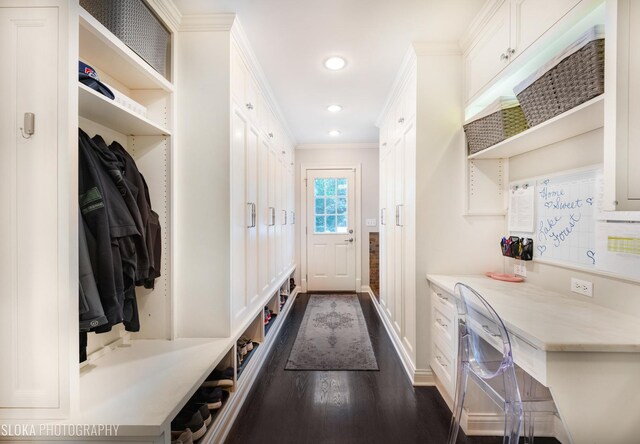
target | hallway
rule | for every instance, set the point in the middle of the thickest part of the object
(313, 407)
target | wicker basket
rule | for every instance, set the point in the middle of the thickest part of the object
(566, 82)
(135, 24)
(494, 126)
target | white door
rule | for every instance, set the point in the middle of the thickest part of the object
(239, 215)
(331, 246)
(31, 296)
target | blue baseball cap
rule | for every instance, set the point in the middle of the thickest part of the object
(88, 76)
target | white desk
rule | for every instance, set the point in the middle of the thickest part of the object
(589, 356)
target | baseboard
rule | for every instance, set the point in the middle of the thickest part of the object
(408, 365)
(424, 378)
(225, 422)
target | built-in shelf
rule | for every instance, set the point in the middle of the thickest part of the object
(122, 62)
(246, 359)
(579, 120)
(165, 375)
(268, 326)
(94, 106)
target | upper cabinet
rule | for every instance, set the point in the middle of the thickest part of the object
(622, 107)
(506, 29)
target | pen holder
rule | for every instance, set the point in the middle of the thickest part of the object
(517, 248)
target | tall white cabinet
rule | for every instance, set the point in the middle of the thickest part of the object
(36, 185)
(236, 182)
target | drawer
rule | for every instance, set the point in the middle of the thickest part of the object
(530, 358)
(443, 365)
(444, 301)
(443, 324)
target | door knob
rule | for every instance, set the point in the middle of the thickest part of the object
(349, 240)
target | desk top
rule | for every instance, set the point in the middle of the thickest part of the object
(550, 320)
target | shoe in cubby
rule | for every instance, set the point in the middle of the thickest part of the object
(182, 437)
(221, 378)
(209, 396)
(189, 419)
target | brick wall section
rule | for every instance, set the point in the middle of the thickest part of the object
(374, 263)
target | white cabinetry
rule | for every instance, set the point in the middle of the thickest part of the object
(234, 183)
(622, 107)
(507, 29)
(38, 220)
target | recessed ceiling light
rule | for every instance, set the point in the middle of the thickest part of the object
(335, 63)
(334, 133)
(334, 108)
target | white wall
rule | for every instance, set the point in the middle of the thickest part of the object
(347, 155)
(583, 150)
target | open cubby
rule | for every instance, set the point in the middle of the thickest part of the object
(274, 306)
(255, 332)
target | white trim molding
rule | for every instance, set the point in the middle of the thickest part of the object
(337, 146)
(168, 11)
(207, 22)
(482, 17)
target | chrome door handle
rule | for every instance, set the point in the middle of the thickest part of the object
(349, 240)
(382, 210)
(398, 216)
(252, 212)
(284, 217)
(272, 216)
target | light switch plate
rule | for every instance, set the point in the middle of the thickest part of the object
(520, 269)
(372, 222)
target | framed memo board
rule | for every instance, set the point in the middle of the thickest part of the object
(565, 211)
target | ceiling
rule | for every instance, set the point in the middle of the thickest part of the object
(292, 38)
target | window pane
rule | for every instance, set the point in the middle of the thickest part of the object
(330, 207)
(319, 224)
(342, 205)
(342, 187)
(331, 224)
(330, 187)
(342, 221)
(319, 206)
(319, 187)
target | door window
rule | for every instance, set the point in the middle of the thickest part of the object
(330, 209)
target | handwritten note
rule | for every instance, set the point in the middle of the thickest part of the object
(521, 208)
(565, 218)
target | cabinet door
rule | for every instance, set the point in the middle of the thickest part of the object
(622, 107)
(485, 59)
(532, 18)
(34, 220)
(263, 218)
(390, 230)
(239, 215)
(252, 177)
(238, 76)
(271, 211)
(398, 237)
(382, 223)
(279, 219)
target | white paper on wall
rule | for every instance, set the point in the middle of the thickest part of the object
(521, 208)
(618, 246)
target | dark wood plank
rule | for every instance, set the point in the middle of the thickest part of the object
(337, 407)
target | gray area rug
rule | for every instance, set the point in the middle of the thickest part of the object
(333, 336)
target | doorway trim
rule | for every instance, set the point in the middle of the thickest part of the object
(357, 168)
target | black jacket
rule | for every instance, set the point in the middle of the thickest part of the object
(110, 228)
(91, 312)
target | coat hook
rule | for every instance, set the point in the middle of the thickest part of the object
(29, 125)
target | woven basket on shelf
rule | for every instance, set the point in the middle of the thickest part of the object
(575, 80)
(494, 128)
(136, 25)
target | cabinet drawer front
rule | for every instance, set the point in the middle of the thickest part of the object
(443, 366)
(444, 301)
(529, 358)
(443, 324)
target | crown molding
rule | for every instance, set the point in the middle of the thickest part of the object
(482, 18)
(168, 12)
(240, 37)
(207, 22)
(408, 66)
(337, 146)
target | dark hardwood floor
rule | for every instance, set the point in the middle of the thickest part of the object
(326, 407)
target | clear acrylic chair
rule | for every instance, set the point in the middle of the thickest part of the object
(485, 356)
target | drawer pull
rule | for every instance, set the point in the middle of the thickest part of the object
(486, 328)
(439, 359)
(444, 298)
(440, 323)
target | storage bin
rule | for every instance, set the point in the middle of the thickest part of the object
(573, 77)
(499, 121)
(136, 25)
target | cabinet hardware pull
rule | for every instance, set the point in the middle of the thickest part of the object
(439, 359)
(503, 57)
(486, 328)
(270, 135)
(272, 216)
(511, 51)
(249, 106)
(284, 218)
(252, 212)
(384, 144)
(382, 211)
(401, 120)
(398, 216)
(444, 298)
(440, 323)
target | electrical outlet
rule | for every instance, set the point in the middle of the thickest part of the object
(582, 287)
(520, 269)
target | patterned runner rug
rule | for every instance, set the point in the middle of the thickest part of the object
(333, 336)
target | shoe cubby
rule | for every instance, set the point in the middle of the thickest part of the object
(248, 343)
(270, 312)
